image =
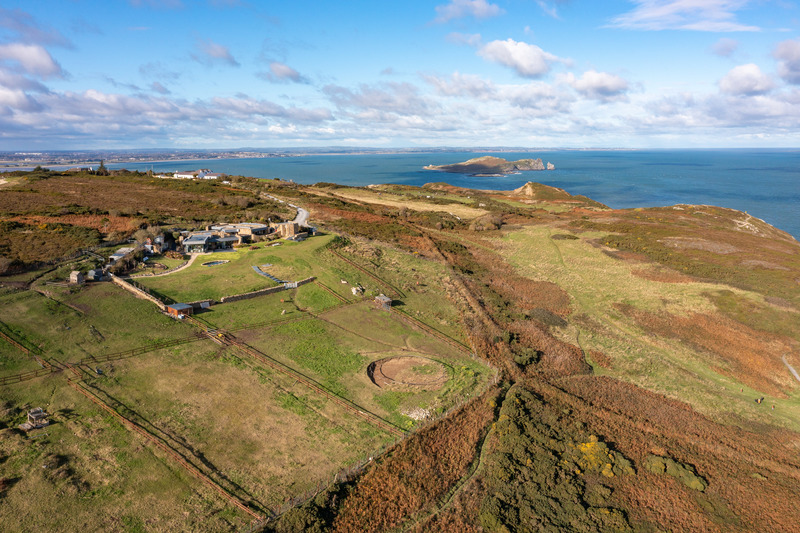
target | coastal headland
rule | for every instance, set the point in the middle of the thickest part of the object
(424, 358)
(493, 166)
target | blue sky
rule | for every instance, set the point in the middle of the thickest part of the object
(531, 73)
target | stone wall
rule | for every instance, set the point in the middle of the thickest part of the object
(262, 292)
(139, 293)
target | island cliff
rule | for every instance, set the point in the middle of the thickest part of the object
(492, 166)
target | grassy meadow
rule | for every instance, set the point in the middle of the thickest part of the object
(614, 304)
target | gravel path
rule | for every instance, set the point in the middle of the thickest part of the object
(791, 369)
(187, 265)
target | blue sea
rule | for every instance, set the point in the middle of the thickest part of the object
(764, 183)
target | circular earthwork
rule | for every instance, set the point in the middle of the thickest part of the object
(407, 372)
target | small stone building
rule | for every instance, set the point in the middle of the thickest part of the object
(76, 278)
(37, 418)
(383, 302)
(287, 229)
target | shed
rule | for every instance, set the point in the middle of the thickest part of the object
(37, 418)
(180, 309)
(383, 302)
(76, 278)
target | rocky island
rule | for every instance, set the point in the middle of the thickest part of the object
(492, 166)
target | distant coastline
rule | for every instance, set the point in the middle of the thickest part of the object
(617, 178)
(61, 159)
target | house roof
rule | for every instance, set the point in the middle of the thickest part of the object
(179, 307)
(198, 238)
(121, 252)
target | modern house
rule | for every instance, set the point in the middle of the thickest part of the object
(206, 241)
(222, 236)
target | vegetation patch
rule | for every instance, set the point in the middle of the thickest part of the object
(682, 472)
(541, 475)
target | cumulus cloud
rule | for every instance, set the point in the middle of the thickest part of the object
(746, 80)
(537, 99)
(210, 53)
(399, 98)
(697, 15)
(601, 86)
(242, 106)
(31, 59)
(725, 47)
(282, 73)
(528, 60)
(788, 55)
(50, 117)
(456, 9)
(462, 85)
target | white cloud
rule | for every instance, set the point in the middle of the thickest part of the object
(282, 73)
(210, 53)
(463, 85)
(33, 59)
(398, 98)
(746, 80)
(528, 60)
(698, 15)
(601, 86)
(456, 9)
(725, 47)
(788, 54)
(538, 99)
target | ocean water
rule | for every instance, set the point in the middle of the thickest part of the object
(764, 183)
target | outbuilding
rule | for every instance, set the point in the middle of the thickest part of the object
(180, 310)
(383, 302)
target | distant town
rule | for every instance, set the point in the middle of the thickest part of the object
(22, 160)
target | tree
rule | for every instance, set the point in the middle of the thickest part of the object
(102, 170)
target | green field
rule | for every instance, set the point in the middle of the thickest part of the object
(73, 323)
(260, 433)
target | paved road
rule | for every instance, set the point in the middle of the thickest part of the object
(302, 216)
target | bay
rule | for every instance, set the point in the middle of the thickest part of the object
(763, 183)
